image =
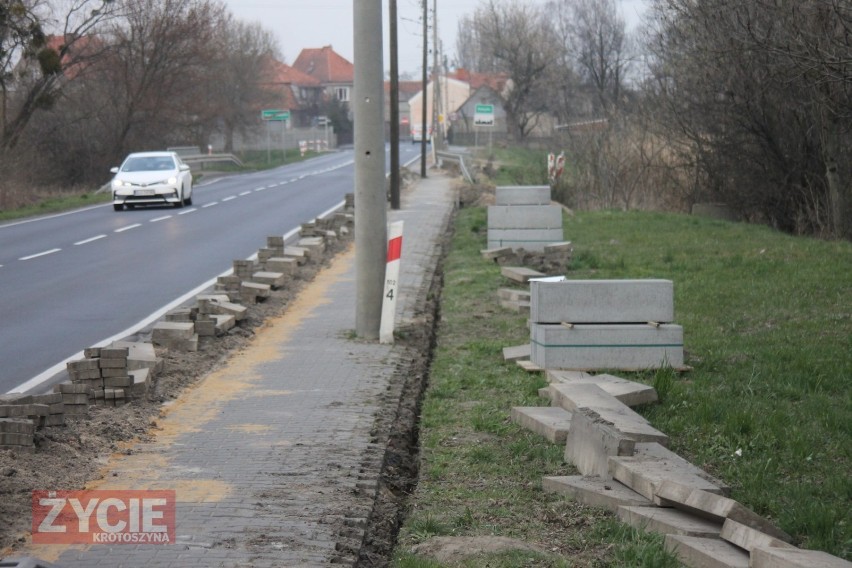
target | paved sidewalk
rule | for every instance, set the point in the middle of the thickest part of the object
(265, 453)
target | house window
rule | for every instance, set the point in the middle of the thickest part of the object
(343, 94)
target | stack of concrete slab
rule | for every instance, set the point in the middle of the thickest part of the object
(514, 300)
(104, 372)
(523, 217)
(520, 274)
(558, 255)
(26, 407)
(240, 286)
(75, 398)
(177, 335)
(16, 433)
(220, 309)
(21, 415)
(624, 466)
(604, 324)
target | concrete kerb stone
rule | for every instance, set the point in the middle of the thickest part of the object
(627, 347)
(496, 253)
(168, 333)
(520, 273)
(602, 301)
(668, 521)
(699, 552)
(628, 392)
(274, 280)
(516, 352)
(301, 254)
(522, 195)
(768, 557)
(715, 507)
(652, 464)
(551, 423)
(591, 440)
(631, 424)
(749, 538)
(281, 264)
(254, 292)
(595, 492)
(216, 305)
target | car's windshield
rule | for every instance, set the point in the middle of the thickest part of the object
(148, 164)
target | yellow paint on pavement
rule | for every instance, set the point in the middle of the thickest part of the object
(149, 466)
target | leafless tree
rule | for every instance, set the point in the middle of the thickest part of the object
(595, 44)
(158, 74)
(33, 69)
(240, 82)
(517, 39)
(758, 94)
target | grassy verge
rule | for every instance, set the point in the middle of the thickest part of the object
(767, 322)
(517, 166)
(54, 205)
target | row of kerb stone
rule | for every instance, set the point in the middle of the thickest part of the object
(106, 376)
(624, 462)
(276, 266)
(117, 374)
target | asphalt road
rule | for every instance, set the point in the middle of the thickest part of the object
(90, 276)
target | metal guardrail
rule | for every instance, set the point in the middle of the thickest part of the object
(460, 159)
(205, 158)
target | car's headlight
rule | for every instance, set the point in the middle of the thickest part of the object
(120, 183)
(172, 180)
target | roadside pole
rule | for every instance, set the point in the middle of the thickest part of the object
(370, 192)
(394, 109)
(391, 290)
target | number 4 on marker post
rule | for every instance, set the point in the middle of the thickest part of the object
(386, 326)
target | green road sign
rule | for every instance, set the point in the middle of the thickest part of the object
(484, 115)
(275, 114)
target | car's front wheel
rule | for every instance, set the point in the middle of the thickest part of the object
(117, 206)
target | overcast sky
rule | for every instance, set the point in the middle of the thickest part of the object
(302, 24)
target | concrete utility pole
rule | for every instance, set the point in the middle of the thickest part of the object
(394, 108)
(424, 132)
(437, 139)
(370, 193)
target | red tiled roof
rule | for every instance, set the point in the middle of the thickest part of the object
(73, 60)
(495, 81)
(326, 65)
(277, 72)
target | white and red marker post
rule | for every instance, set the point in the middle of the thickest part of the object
(386, 326)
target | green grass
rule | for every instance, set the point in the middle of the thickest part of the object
(55, 205)
(518, 166)
(768, 331)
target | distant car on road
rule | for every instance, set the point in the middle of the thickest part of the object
(417, 134)
(151, 178)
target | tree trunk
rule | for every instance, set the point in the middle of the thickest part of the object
(840, 200)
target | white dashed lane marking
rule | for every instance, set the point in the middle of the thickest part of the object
(128, 227)
(45, 253)
(87, 241)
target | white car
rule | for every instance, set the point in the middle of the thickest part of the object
(151, 178)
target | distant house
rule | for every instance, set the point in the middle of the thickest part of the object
(290, 89)
(75, 56)
(334, 72)
(464, 127)
(407, 89)
(453, 94)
